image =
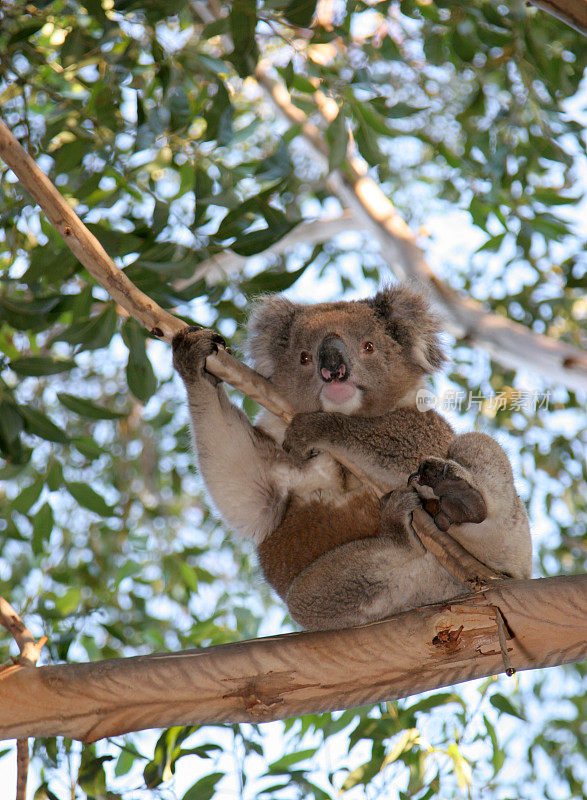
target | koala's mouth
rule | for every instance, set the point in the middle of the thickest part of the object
(344, 396)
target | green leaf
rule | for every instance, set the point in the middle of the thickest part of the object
(300, 12)
(87, 447)
(389, 50)
(167, 751)
(189, 576)
(86, 408)
(180, 113)
(498, 755)
(28, 496)
(141, 378)
(91, 776)
(338, 141)
(277, 281)
(205, 788)
(40, 365)
(243, 21)
(25, 32)
(285, 762)
(139, 372)
(256, 241)
(463, 45)
(372, 118)
(302, 84)
(92, 333)
(276, 166)
(493, 243)
(54, 475)
(219, 117)
(29, 315)
(125, 762)
(42, 527)
(551, 197)
(400, 110)
(11, 422)
(505, 705)
(433, 701)
(39, 424)
(88, 498)
(368, 146)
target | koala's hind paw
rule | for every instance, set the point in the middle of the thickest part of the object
(446, 494)
(191, 347)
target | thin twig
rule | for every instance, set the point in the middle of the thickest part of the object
(501, 629)
(30, 650)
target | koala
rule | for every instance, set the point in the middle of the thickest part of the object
(333, 551)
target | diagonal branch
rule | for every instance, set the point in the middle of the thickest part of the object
(509, 343)
(218, 267)
(160, 322)
(573, 12)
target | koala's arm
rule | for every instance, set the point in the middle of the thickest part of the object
(234, 458)
(386, 448)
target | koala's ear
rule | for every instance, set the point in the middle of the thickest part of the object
(268, 332)
(409, 321)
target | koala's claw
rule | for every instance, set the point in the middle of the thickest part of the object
(300, 438)
(446, 494)
(191, 347)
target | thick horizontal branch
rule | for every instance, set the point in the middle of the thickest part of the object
(301, 673)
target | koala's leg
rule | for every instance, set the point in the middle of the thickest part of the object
(367, 580)
(473, 492)
(234, 459)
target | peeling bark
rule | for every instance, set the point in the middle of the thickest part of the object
(300, 673)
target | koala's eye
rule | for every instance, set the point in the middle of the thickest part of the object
(305, 357)
(368, 347)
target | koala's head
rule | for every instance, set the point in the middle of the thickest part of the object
(360, 357)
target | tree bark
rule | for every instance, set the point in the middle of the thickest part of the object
(84, 244)
(509, 343)
(30, 650)
(218, 267)
(300, 673)
(573, 12)
(164, 325)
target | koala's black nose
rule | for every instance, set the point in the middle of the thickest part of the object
(333, 361)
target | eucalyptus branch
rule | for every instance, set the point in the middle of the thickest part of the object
(30, 649)
(161, 323)
(510, 343)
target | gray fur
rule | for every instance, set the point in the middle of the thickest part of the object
(282, 486)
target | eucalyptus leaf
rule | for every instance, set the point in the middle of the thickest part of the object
(89, 498)
(86, 408)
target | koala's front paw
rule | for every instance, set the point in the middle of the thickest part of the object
(446, 494)
(302, 436)
(191, 347)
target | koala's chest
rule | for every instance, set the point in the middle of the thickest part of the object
(310, 528)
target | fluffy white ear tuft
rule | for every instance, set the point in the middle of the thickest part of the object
(268, 332)
(408, 319)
